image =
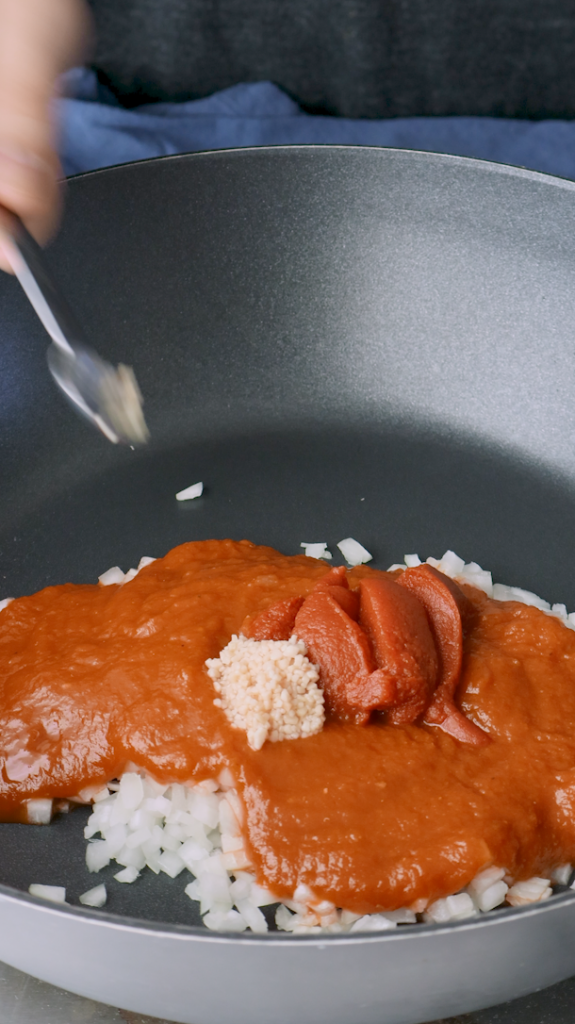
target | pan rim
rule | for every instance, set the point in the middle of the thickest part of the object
(489, 166)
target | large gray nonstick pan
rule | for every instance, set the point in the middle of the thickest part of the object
(338, 342)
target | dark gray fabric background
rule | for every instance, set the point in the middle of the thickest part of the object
(354, 58)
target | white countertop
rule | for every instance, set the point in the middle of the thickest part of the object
(24, 1000)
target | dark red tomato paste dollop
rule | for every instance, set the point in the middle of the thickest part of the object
(392, 645)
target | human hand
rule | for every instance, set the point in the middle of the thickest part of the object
(38, 40)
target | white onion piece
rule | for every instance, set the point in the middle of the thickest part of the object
(533, 890)
(372, 923)
(131, 790)
(128, 875)
(452, 908)
(492, 897)
(54, 893)
(225, 921)
(252, 916)
(170, 863)
(318, 550)
(193, 491)
(562, 874)
(39, 812)
(97, 855)
(484, 880)
(111, 576)
(130, 575)
(354, 552)
(95, 897)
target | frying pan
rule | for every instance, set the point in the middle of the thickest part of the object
(338, 342)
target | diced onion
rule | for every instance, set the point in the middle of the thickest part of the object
(318, 550)
(354, 552)
(54, 893)
(39, 811)
(111, 576)
(95, 897)
(193, 491)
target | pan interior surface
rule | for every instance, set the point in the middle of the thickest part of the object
(337, 342)
(397, 490)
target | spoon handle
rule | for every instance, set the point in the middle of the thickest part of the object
(29, 266)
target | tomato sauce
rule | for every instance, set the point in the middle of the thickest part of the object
(96, 679)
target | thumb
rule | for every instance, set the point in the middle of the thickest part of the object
(29, 187)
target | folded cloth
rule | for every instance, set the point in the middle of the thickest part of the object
(96, 131)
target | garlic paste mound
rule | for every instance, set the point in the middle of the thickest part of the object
(268, 688)
(384, 805)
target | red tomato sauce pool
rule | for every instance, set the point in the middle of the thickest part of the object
(372, 817)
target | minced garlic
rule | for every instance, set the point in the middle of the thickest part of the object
(268, 688)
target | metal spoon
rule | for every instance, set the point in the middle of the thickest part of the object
(109, 397)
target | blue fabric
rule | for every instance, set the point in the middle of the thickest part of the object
(96, 131)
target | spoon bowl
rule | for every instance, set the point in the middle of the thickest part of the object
(106, 396)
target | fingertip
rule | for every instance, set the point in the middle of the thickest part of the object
(6, 223)
(29, 186)
(6, 253)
